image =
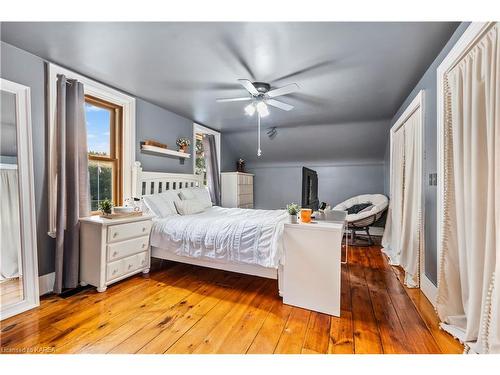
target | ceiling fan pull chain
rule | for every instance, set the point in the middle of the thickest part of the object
(258, 135)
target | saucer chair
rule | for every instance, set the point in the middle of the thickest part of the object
(362, 212)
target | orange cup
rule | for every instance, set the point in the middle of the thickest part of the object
(305, 215)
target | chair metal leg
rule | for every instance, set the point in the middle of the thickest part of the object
(370, 240)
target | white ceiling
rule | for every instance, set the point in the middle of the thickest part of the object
(348, 72)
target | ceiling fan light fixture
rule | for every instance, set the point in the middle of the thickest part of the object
(250, 109)
(262, 109)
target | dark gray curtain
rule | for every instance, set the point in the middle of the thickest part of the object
(72, 180)
(213, 182)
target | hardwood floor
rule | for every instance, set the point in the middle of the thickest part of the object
(186, 309)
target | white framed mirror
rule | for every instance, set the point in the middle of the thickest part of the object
(18, 252)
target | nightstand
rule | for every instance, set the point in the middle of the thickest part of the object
(113, 249)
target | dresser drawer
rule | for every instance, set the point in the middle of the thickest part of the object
(143, 259)
(244, 180)
(124, 231)
(244, 199)
(245, 189)
(114, 270)
(126, 265)
(123, 249)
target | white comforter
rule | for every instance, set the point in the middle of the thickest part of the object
(229, 234)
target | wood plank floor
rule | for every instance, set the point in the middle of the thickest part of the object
(179, 308)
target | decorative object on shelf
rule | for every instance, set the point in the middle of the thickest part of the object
(293, 209)
(150, 142)
(305, 215)
(106, 206)
(183, 144)
(240, 165)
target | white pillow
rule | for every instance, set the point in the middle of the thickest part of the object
(158, 205)
(162, 205)
(186, 194)
(200, 193)
(189, 206)
(170, 196)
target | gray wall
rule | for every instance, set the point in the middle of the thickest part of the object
(428, 83)
(152, 122)
(276, 186)
(24, 68)
(347, 156)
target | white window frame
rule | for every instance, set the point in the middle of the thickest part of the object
(467, 41)
(103, 92)
(197, 128)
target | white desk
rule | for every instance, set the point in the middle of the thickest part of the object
(312, 266)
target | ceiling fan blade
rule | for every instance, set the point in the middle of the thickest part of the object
(288, 89)
(308, 69)
(248, 86)
(233, 100)
(280, 105)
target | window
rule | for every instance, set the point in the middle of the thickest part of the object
(199, 162)
(125, 104)
(104, 140)
(200, 167)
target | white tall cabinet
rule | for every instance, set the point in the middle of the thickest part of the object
(237, 189)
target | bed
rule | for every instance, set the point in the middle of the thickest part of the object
(233, 239)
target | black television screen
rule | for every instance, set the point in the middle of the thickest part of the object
(309, 189)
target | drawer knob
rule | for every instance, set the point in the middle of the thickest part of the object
(115, 234)
(115, 253)
(143, 229)
(129, 266)
(114, 271)
(143, 245)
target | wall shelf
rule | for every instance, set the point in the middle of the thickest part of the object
(164, 151)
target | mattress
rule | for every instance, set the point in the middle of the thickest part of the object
(232, 235)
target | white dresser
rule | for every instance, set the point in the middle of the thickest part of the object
(312, 265)
(113, 249)
(237, 189)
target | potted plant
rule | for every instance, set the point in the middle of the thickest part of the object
(106, 206)
(183, 144)
(293, 210)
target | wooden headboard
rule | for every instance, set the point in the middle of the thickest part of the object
(147, 183)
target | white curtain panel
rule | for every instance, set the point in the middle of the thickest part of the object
(468, 293)
(10, 228)
(402, 236)
(411, 216)
(391, 240)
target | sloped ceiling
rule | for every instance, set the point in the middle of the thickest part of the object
(349, 73)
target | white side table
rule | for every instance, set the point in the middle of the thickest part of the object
(113, 249)
(312, 266)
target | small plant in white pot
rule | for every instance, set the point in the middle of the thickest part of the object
(293, 210)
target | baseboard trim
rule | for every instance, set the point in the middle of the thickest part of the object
(429, 289)
(46, 283)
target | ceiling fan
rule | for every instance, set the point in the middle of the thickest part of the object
(261, 96)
